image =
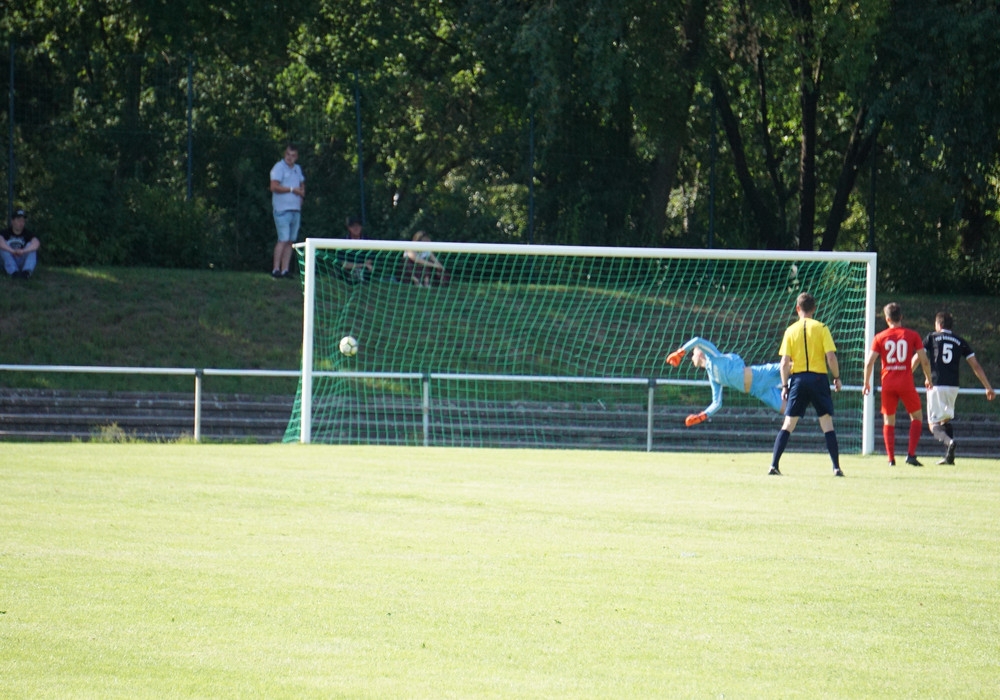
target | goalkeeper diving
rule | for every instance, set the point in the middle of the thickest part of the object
(729, 370)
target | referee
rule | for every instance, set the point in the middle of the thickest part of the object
(807, 351)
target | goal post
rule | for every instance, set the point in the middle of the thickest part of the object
(559, 346)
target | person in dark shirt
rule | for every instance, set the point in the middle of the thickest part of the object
(944, 349)
(357, 266)
(18, 247)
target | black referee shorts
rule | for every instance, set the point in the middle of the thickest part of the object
(809, 388)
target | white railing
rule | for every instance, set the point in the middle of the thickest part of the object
(425, 377)
(198, 374)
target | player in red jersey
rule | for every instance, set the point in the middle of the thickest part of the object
(896, 347)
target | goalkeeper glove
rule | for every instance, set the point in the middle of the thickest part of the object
(695, 419)
(675, 357)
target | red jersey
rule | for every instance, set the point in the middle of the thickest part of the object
(896, 347)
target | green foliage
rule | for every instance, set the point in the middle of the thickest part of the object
(166, 231)
(926, 264)
(629, 123)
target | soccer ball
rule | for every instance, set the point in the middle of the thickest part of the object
(349, 345)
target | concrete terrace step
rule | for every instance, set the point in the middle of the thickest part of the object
(29, 414)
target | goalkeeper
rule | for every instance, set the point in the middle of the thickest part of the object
(729, 370)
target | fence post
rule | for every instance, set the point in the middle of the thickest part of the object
(649, 416)
(198, 374)
(426, 407)
(531, 178)
(361, 153)
(10, 143)
(190, 121)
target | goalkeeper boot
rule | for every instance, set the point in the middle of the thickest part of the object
(674, 358)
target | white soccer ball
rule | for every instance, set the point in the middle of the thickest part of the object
(349, 345)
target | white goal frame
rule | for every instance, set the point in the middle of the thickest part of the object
(311, 245)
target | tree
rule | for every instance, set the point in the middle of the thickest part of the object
(820, 53)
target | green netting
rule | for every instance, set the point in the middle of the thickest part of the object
(562, 350)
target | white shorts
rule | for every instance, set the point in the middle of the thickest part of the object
(941, 403)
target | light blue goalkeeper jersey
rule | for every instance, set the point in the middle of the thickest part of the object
(726, 370)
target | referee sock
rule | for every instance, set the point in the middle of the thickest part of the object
(889, 437)
(833, 448)
(780, 443)
(915, 429)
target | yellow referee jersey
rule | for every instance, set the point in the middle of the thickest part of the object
(807, 341)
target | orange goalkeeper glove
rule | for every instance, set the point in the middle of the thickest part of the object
(695, 419)
(675, 357)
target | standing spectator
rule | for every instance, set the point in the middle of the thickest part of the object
(944, 348)
(288, 189)
(18, 247)
(422, 267)
(899, 348)
(807, 350)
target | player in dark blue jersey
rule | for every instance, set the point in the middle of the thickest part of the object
(945, 349)
(729, 370)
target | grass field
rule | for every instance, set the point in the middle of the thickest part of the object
(150, 571)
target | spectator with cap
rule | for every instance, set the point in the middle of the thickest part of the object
(18, 247)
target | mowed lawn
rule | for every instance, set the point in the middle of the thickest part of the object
(291, 571)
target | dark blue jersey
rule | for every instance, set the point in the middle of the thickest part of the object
(944, 350)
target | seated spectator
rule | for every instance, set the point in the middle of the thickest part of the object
(357, 265)
(422, 268)
(18, 247)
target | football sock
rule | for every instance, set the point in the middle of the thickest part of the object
(833, 448)
(940, 434)
(916, 427)
(948, 429)
(889, 437)
(780, 443)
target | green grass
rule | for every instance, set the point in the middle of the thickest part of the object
(138, 317)
(315, 572)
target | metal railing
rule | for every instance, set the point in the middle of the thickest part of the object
(198, 375)
(425, 377)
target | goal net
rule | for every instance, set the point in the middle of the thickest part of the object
(555, 346)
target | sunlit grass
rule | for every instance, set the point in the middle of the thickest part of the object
(131, 570)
